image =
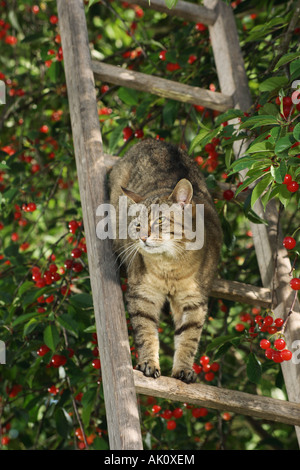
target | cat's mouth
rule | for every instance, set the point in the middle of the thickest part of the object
(151, 246)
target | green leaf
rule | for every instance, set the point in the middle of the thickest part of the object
(259, 121)
(171, 3)
(170, 112)
(254, 370)
(260, 188)
(279, 172)
(228, 115)
(82, 300)
(198, 139)
(296, 132)
(67, 322)
(63, 423)
(242, 163)
(128, 96)
(283, 144)
(217, 342)
(88, 401)
(264, 146)
(54, 71)
(286, 59)
(273, 83)
(51, 337)
(116, 134)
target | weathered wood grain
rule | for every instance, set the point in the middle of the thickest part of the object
(241, 292)
(161, 86)
(119, 391)
(219, 398)
(187, 11)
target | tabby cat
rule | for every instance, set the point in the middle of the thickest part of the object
(160, 268)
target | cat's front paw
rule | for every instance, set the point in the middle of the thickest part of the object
(149, 369)
(185, 375)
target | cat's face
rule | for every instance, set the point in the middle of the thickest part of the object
(158, 227)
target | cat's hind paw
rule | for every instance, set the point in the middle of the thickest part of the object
(149, 369)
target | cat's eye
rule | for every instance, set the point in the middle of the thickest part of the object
(137, 225)
(160, 220)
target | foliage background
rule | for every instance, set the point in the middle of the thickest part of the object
(46, 404)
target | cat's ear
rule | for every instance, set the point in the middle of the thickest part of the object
(182, 193)
(133, 196)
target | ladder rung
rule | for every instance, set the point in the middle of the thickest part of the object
(240, 292)
(209, 396)
(186, 10)
(161, 86)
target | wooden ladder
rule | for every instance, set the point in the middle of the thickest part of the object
(121, 383)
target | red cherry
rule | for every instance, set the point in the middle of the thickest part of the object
(265, 344)
(228, 194)
(292, 186)
(53, 19)
(177, 413)
(289, 243)
(73, 226)
(268, 320)
(277, 357)
(192, 59)
(239, 327)
(200, 27)
(156, 408)
(295, 283)
(279, 344)
(43, 350)
(53, 390)
(204, 360)
(162, 55)
(287, 179)
(171, 67)
(209, 376)
(77, 267)
(127, 132)
(139, 134)
(208, 426)
(171, 425)
(96, 363)
(167, 414)
(76, 253)
(5, 440)
(215, 367)
(58, 360)
(31, 207)
(35, 9)
(269, 353)
(286, 355)
(44, 129)
(279, 322)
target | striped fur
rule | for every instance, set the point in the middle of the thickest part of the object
(160, 270)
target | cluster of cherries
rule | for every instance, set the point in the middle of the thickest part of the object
(278, 353)
(206, 367)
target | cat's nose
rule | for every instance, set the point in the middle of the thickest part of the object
(144, 238)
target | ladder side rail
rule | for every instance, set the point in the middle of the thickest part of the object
(233, 81)
(117, 375)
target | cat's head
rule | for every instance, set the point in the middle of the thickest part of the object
(159, 225)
